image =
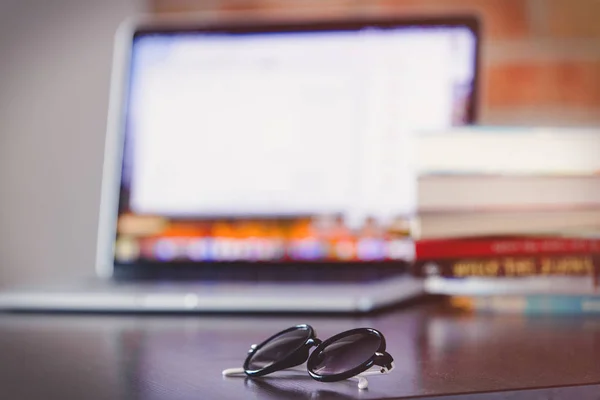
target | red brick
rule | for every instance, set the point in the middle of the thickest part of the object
(572, 18)
(294, 9)
(559, 83)
(179, 6)
(500, 18)
(270, 5)
(264, 8)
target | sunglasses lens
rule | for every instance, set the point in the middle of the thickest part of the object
(278, 348)
(345, 354)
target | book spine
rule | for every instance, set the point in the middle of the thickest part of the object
(529, 305)
(509, 266)
(454, 248)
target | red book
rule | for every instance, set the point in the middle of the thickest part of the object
(511, 266)
(503, 246)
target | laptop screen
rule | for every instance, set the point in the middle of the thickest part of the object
(287, 144)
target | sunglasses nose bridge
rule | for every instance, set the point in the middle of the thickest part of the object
(310, 343)
(302, 354)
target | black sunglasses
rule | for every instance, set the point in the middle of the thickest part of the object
(350, 354)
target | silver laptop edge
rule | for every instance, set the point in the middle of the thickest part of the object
(113, 151)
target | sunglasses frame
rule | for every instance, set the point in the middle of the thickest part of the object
(302, 354)
(380, 357)
(295, 358)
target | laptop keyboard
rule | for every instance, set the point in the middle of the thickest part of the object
(283, 274)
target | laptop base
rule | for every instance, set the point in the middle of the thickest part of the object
(214, 297)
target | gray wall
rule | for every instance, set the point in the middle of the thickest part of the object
(55, 60)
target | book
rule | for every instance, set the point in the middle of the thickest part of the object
(585, 264)
(504, 245)
(529, 304)
(538, 221)
(494, 150)
(486, 180)
(484, 193)
(522, 285)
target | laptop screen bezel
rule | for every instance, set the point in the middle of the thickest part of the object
(113, 159)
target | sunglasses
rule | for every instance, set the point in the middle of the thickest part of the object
(352, 354)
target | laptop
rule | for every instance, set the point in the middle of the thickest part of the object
(266, 166)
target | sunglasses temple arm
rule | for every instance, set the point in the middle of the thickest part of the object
(363, 383)
(241, 372)
(233, 372)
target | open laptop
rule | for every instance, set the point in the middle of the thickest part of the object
(267, 166)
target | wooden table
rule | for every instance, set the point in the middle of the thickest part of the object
(436, 353)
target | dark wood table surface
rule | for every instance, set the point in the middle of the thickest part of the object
(438, 354)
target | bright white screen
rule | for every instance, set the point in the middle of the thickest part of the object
(288, 123)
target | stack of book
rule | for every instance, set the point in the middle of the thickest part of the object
(508, 218)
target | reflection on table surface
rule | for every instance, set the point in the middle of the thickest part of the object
(436, 352)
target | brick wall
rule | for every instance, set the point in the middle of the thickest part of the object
(540, 58)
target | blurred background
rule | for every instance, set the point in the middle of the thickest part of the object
(540, 66)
